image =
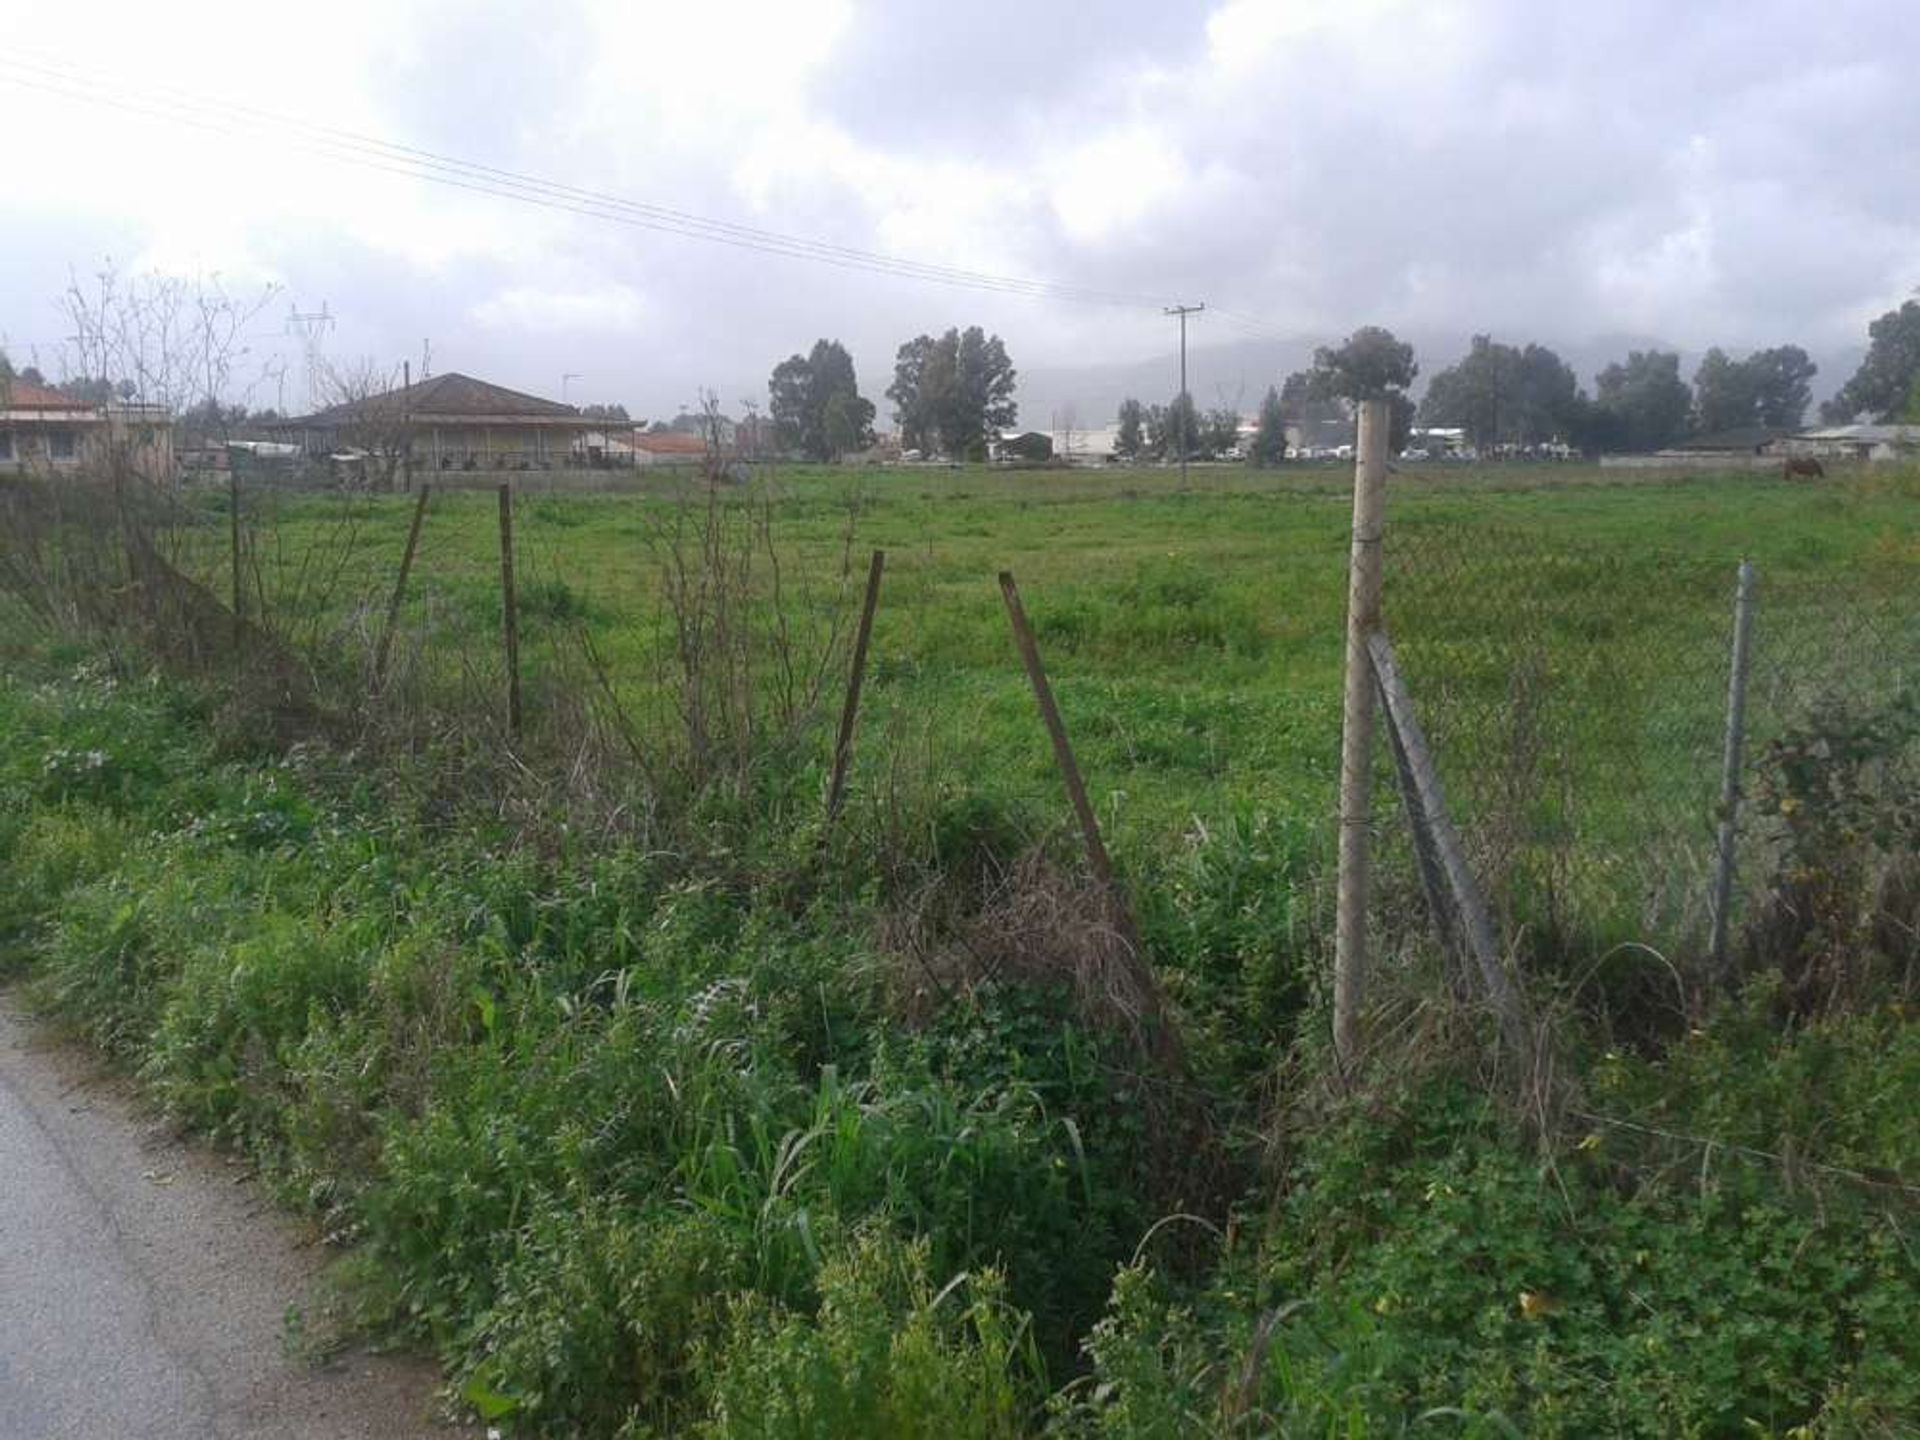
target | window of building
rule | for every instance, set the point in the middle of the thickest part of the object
(60, 444)
(6, 445)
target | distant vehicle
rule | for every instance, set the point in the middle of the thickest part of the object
(1415, 455)
(912, 455)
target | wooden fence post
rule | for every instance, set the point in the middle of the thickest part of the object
(1356, 736)
(850, 713)
(509, 609)
(1732, 760)
(400, 586)
(1097, 859)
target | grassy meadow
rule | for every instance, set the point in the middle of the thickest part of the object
(653, 1107)
(1195, 636)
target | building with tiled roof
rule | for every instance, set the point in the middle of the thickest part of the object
(449, 422)
(46, 431)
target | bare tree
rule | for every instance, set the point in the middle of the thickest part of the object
(165, 340)
(369, 414)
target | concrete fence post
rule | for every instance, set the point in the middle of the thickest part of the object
(1732, 761)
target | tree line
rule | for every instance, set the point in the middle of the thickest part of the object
(1372, 363)
(952, 394)
(1505, 397)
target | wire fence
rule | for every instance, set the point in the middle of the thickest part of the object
(1576, 697)
(1574, 691)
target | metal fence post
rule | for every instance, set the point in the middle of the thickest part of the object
(233, 541)
(1097, 859)
(400, 587)
(1732, 760)
(1356, 736)
(850, 713)
(509, 610)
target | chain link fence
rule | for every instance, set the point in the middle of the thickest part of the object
(1576, 694)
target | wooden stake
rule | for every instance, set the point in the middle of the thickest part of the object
(233, 527)
(400, 587)
(1731, 762)
(1356, 736)
(850, 712)
(1097, 859)
(1475, 920)
(510, 615)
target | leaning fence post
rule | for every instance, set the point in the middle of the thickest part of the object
(400, 586)
(1476, 922)
(1356, 736)
(1433, 878)
(1731, 763)
(1062, 748)
(843, 743)
(509, 610)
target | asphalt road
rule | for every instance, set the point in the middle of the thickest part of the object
(145, 1283)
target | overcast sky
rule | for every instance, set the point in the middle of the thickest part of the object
(1743, 173)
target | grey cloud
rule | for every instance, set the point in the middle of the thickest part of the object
(1519, 172)
(935, 75)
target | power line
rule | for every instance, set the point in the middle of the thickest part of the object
(370, 152)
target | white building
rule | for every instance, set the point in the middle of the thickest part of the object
(1085, 446)
(1857, 442)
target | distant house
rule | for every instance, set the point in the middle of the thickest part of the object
(1744, 440)
(45, 431)
(667, 447)
(1093, 446)
(1438, 442)
(1028, 445)
(1856, 442)
(450, 422)
(1746, 447)
(1319, 437)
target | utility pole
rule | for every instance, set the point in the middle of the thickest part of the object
(1185, 403)
(566, 380)
(312, 327)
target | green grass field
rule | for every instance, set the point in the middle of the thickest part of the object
(1195, 637)
(652, 1109)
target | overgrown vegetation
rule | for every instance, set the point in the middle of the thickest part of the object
(656, 1108)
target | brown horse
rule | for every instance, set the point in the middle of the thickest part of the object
(1805, 466)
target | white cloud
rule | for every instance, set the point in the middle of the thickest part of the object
(1311, 163)
(617, 308)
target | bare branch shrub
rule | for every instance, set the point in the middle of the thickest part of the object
(373, 420)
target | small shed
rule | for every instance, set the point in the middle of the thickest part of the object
(1029, 445)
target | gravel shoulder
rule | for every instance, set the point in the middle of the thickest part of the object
(145, 1282)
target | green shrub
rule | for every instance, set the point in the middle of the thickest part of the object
(885, 1356)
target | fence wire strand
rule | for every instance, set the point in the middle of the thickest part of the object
(1576, 698)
